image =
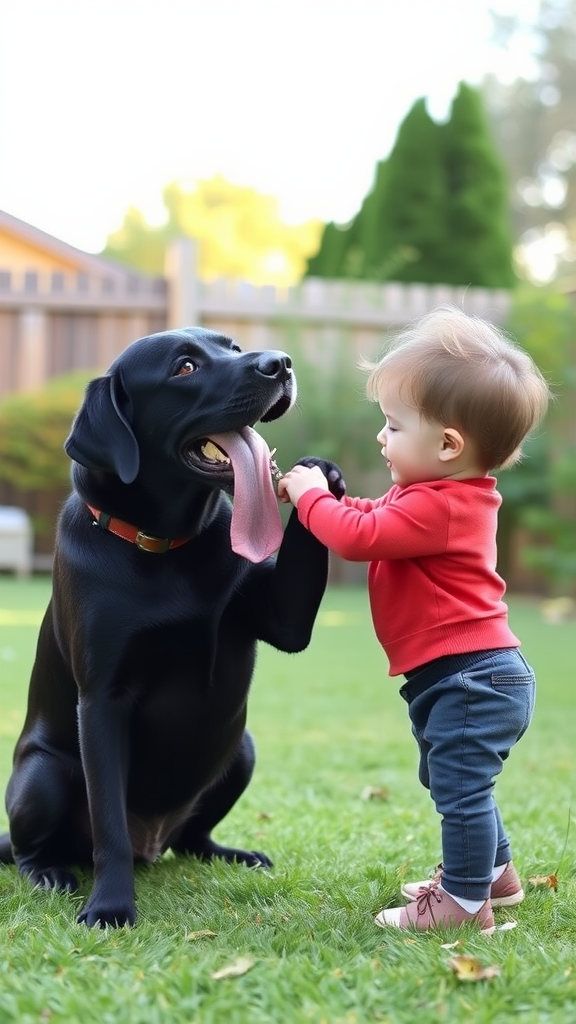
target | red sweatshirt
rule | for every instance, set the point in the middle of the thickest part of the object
(432, 581)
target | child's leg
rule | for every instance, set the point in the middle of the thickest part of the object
(465, 724)
(503, 852)
(503, 849)
(469, 722)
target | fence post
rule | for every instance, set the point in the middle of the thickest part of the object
(32, 365)
(181, 270)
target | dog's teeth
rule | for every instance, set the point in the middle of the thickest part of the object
(211, 451)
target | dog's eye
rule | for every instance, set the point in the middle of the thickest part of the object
(185, 368)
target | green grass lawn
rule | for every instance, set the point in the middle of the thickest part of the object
(328, 724)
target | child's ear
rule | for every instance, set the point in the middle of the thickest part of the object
(452, 444)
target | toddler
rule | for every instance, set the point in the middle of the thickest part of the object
(458, 399)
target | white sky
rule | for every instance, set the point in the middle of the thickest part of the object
(103, 102)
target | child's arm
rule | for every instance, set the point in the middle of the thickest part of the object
(301, 479)
(413, 525)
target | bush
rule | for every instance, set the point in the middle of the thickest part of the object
(541, 493)
(33, 428)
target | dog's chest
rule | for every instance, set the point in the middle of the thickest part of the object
(149, 836)
(186, 640)
(185, 680)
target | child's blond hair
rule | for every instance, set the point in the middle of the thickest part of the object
(465, 373)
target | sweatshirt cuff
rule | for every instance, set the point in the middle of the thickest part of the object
(308, 500)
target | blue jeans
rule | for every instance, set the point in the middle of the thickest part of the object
(467, 712)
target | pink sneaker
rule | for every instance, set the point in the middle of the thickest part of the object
(434, 908)
(506, 891)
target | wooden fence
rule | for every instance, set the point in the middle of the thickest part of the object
(53, 324)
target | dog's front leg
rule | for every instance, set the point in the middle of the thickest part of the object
(104, 745)
(281, 602)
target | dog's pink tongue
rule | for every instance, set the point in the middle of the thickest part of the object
(256, 529)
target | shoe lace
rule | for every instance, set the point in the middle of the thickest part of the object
(424, 900)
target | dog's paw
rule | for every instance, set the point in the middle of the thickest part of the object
(252, 858)
(101, 913)
(331, 471)
(53, 878)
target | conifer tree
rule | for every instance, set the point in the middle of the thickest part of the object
(479, 249)
(438, 209)
(329, 260)
(406, 236)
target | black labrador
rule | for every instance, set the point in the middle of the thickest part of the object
(134, 740)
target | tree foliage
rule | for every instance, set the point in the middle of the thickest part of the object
(478, 244)
(437, 211)
(404, 221)
(532, 117)
(540, 493)
(240, 232)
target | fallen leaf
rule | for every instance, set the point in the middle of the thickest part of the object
(451, 945)
(548, 881)
(205, 933)
(375, 793)
(240, 966)
(507, 926)
(469, 968)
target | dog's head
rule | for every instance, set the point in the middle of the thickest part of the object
(167, 396)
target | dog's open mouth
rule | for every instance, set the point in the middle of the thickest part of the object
(207, 456)
(242, 458)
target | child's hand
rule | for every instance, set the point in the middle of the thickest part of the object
(299, 480)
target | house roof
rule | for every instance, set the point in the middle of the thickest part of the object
(86, 263)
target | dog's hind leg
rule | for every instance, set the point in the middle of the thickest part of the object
(46, 787)
(194, 836)
(41, 832)
(6, 851)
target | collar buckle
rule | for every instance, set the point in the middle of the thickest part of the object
(155, 545)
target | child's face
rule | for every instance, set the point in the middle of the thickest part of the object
(410, 444)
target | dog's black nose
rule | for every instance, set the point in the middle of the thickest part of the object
(274, 364)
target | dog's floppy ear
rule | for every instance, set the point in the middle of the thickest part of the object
(101, 437)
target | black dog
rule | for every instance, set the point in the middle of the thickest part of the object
(134, 740)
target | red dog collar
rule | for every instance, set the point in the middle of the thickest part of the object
(144, 541)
